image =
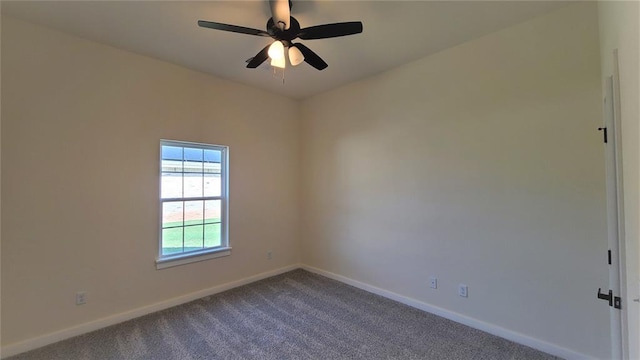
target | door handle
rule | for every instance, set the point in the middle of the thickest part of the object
(614, 301)
(608, 297)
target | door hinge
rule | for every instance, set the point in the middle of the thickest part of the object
(609, 256)
(614, 301)
(605, 133)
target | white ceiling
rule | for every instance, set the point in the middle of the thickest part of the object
(395, 33)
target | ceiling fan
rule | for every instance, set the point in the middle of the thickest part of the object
(284, 28)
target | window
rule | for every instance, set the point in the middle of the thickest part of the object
(193, 203)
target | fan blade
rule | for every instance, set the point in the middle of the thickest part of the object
(231, 28)
(259, 58)
(331, 30)
(310, 57)
(280, 13)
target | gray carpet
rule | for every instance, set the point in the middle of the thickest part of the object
(297, 315)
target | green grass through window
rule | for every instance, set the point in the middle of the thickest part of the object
(197, 235)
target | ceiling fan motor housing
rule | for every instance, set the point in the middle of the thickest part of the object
(285, 36)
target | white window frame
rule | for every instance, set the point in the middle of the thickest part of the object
(166, 261)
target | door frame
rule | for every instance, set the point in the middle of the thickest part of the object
(615, 212)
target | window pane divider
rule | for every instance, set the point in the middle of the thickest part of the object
(184, 226)
(192, 199)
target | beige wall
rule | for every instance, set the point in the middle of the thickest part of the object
(81, 124)
(479, 165)
(619, 30)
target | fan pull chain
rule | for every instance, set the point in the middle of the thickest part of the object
(275, 73)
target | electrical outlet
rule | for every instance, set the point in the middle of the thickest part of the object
(463, 290)
(81, 297)
(433, 282)
(269, 255)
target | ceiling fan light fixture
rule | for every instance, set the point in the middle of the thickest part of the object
(276, 50)
(279, 63)
(295, 56)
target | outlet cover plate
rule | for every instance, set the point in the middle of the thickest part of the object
(433, 282)
(463, 290)
(81, 297)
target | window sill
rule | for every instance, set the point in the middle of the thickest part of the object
(184, 259)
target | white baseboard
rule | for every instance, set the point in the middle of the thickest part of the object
(34, 343)
(459, 318)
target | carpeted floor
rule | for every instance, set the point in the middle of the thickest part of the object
(297, 315)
